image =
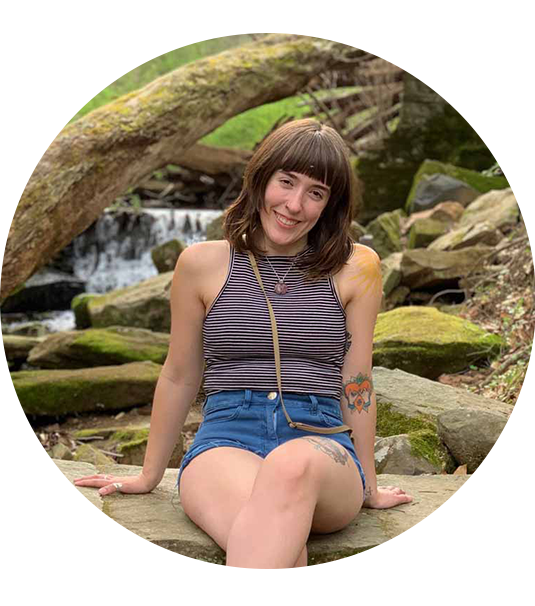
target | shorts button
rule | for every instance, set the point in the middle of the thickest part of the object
(272, 395)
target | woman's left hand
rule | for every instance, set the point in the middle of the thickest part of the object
(387, 496)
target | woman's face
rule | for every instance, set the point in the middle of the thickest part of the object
(293, 203)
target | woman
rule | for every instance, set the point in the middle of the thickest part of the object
(252, 480)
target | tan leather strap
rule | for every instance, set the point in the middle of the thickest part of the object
(296, 425)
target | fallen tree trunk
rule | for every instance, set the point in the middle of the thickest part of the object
(214, 160)
(97, 158)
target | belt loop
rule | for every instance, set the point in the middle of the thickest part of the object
(248, 396)
(314, 401)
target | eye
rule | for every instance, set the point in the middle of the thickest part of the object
(318, 194)
(285, 181)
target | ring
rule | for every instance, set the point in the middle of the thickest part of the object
(118, 486)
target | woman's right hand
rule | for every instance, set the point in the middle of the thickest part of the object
(108, 484)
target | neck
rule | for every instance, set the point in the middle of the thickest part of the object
(283, 250)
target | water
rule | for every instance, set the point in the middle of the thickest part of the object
(115, 253)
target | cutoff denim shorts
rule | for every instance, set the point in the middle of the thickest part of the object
(255, 421)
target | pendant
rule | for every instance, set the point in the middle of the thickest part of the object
(281, 288)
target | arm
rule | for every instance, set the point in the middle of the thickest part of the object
(182, 371)
(359, 408)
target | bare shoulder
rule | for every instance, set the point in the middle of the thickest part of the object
(362, 273)
(202, 257)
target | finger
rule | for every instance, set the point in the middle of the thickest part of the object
(111, 488)
(98, 476)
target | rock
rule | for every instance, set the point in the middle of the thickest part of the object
(427, 342)
(445, 212)
(497, 207)
(386, 231)
(471, 179)
(133, 445)
(403, 397)
(469, 235)
(166, 255)
(100, 347)
(46, 290)
(424, 268)
(391, 272)
(425, 231)
(356, 230)
(401, 455)
(470, 434)
(59, 392)
(396, 298)
(436, 188)
(60, 451)
(151, 530)
(89, 454)
(79, 304)
(18, 347)
(14, 434)
(143, 305)
(214, 229)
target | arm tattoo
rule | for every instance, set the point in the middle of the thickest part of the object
(348, 341)
(358, 392)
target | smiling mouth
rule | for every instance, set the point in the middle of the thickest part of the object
(284, 220)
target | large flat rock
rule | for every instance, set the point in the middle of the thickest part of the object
(459, 521)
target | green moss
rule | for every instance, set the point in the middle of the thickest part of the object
(116, 349)
(19, 557)
(426, 444)
(393, 423)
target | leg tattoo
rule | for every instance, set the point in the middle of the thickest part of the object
(331, 448)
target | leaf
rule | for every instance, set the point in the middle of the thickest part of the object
(462, 470)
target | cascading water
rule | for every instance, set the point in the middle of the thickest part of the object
(115, 252)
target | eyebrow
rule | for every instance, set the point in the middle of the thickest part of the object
(325, 188)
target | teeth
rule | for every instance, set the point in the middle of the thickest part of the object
(286, 221)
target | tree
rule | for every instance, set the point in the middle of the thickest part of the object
(57, 189)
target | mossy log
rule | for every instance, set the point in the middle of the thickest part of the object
(98, 157)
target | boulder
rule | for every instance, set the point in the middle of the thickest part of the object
(99, 347)
(470, 434)
(425, 231)
(79, 304)
(59, 392)
(474, 182)
(386, 232)
(437, 269)
(214, 229)
(143, 305)
(426, 342)
(152, 531)
(89, 454)
(497, 207)
(166, 255)
(406, 455)
(356, 231)
(17, 347)
(436, 188)
(14, 434)
(469, 235)
(46, 290)
(396, 298)
(391, 272)
(445, 212)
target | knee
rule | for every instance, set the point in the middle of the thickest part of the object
(289, 468)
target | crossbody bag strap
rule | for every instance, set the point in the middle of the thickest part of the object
(297, 425)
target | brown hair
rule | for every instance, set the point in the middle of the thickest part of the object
(317, 151)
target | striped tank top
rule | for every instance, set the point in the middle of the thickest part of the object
(237, 336)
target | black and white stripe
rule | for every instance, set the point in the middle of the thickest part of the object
(237, 337)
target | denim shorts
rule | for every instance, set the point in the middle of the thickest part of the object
(255, 421)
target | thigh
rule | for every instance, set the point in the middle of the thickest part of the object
(214, 487)
(333, 478)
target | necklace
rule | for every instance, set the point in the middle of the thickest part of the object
(281, 288)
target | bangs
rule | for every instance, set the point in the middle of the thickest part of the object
(314, 157)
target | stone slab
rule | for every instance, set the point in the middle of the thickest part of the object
(40, 507)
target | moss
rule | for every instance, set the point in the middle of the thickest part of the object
(426, 444)
(20, 557)
(393, 423)
(130, 438)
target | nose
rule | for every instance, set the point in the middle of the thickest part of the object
(294, 201)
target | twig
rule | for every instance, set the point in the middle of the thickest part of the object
(512, 360)
(449, 290)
